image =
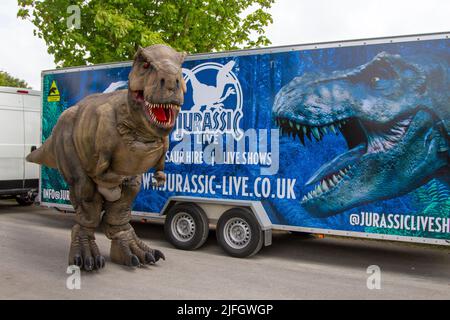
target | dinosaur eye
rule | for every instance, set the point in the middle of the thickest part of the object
(146, 65)
(374, 81)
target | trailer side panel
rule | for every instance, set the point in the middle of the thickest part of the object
(349, 140)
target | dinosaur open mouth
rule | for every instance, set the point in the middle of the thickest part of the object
(160, 114)
(362, 138)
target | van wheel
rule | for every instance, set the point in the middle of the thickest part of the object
(25, 200)
(186, 226)
(239, 233)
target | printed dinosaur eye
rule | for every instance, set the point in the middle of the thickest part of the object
(146, 65)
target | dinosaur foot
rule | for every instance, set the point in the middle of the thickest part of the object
(84, 252)
(129, 250)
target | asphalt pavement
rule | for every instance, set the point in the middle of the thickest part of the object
(34, 243)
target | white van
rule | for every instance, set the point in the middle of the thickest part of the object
(19, 134)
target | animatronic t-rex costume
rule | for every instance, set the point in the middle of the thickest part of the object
(104, 143)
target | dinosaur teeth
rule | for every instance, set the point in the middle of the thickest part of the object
(335, 179)
(308, 196)
(324, 186)
(294, 129)
(383, 140)
(397, 131)
(316, 133)
(330, 183)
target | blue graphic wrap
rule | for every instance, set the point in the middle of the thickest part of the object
(265, 92)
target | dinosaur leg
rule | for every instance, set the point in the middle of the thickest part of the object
(85, 198)
(84, 251)
(126, 247)
(87, 202)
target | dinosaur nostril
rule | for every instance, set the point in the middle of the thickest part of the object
(162, 82)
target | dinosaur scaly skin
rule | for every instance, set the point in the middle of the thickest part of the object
(394, 113)
(104, 143)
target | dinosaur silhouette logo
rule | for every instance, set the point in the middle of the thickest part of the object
(213, 101)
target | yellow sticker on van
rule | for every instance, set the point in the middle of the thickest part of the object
(53, 94)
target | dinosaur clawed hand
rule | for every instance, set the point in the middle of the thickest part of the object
(128, 249)
(84, 252)
(159, 179)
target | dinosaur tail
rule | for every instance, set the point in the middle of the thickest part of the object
(43, 155)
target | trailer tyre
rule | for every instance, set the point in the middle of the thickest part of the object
(25, 200)
(239, 233)
(186, 226)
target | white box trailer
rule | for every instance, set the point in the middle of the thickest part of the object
(345, 138)
(19, 134)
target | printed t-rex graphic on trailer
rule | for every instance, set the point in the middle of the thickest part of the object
(104, 143)
(211, 96)
(394, 113)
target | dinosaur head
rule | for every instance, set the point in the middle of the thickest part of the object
(156, 88)
(383, 110)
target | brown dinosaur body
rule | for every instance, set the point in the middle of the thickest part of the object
(104, 143)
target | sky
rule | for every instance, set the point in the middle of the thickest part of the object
(294, 21)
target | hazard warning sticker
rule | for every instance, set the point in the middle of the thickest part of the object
(53, 94)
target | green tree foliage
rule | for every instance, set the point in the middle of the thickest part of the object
(7, 80)
(111, 30)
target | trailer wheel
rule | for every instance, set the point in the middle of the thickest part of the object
(186, 226)
(25, 200)
(239, 233)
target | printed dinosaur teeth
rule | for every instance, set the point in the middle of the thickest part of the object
(385, 139)
(377, 140)
(296, 129)
(372, 138)
(327, 184)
